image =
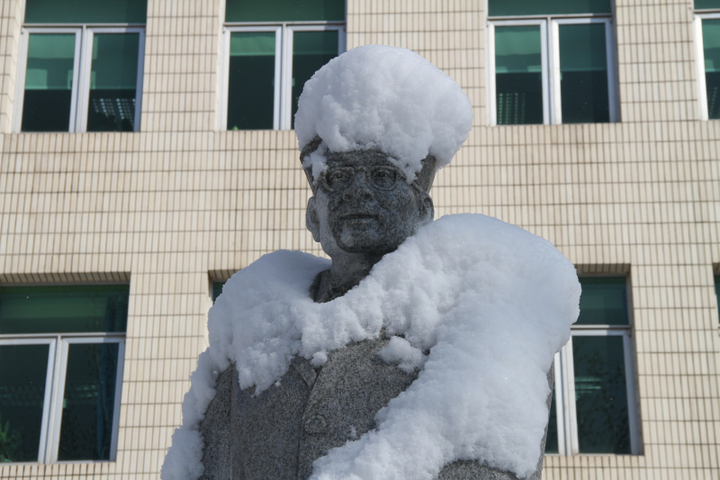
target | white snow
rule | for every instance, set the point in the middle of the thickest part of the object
(491, 303)
(383, 97)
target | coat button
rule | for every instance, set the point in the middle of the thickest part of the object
(315, 425)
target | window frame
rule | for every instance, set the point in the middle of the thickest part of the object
(82, 68)
(699, 16)
(550, 55)
(55, 376)
(282, 99)
(564, 370)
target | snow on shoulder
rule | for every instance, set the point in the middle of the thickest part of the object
(388, 98)
(489, 301)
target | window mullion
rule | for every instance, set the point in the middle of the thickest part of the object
(700, 67)
(559, 401)
(632, 405)
(117, 400)
(491, 95)
(611, 57)
(56, 404)
(74, 96)
(284, 89)
(139, 81)
(20, 85)
(571, 434)
(85, 73)
(554, 107)
(224, 81)
(47, 399)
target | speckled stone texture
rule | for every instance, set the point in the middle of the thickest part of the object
(281, 432)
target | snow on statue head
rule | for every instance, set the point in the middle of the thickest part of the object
(374, 125)
(383, 98)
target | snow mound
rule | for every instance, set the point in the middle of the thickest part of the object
(491, 302)
(388, 98)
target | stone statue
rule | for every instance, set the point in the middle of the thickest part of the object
(362, 209)
(366, 203)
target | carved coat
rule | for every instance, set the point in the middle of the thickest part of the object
(278, 434)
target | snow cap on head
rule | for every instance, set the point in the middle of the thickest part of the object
(386, 98)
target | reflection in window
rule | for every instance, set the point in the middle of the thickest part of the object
(77, 76)
(113, 82)
(518, 75)
(268, 64)
(61, 346)
(49, 82)
(593, 407)
(552, 65)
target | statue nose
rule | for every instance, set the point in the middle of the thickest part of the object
(359, 188)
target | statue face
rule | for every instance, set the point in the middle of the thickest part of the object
(365, 206)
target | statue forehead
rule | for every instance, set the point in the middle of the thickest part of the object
(358, 158)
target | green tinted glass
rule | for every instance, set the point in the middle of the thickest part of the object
(88, 402)
(603, 301)
(601, 395)
(283, 10)
(518, 75)
(311, 50)
(546, 7)
(85, 11)
(217, 290)
(113, 82)
(48, 82)
(251, 81)
(551, 443)
(711, 49)
(583, 73)
(22, 394)
(706, 4)
(61, 309)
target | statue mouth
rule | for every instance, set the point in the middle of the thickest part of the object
(359, 216)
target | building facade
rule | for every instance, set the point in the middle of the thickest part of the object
(148, 154)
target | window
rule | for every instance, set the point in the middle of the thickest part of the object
(80, 66)
(550, 62)
(61, 357)
(217, 288)
(271, 49)
(707, 52)
(594, 407)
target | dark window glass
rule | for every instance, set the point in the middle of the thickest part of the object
(546, 7)
(113, 82)
(603, 301)
(62, 309)
(217, 290)
(85, 11)
(283, 10)
(518, 75)
(601, 395)
(311, 50)
(88, 402)
(48, 82)
(711, 48)
(583, 73)
(706, 4)
(251, 81)
(22, 393)
(551, 443)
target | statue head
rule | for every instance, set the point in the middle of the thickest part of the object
(364, 204)
(374, 125)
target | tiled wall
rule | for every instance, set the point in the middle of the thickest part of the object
(179, 202)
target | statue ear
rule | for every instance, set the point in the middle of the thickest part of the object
(426, 210)
(312, 222)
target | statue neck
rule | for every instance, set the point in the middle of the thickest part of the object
(345, 273)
